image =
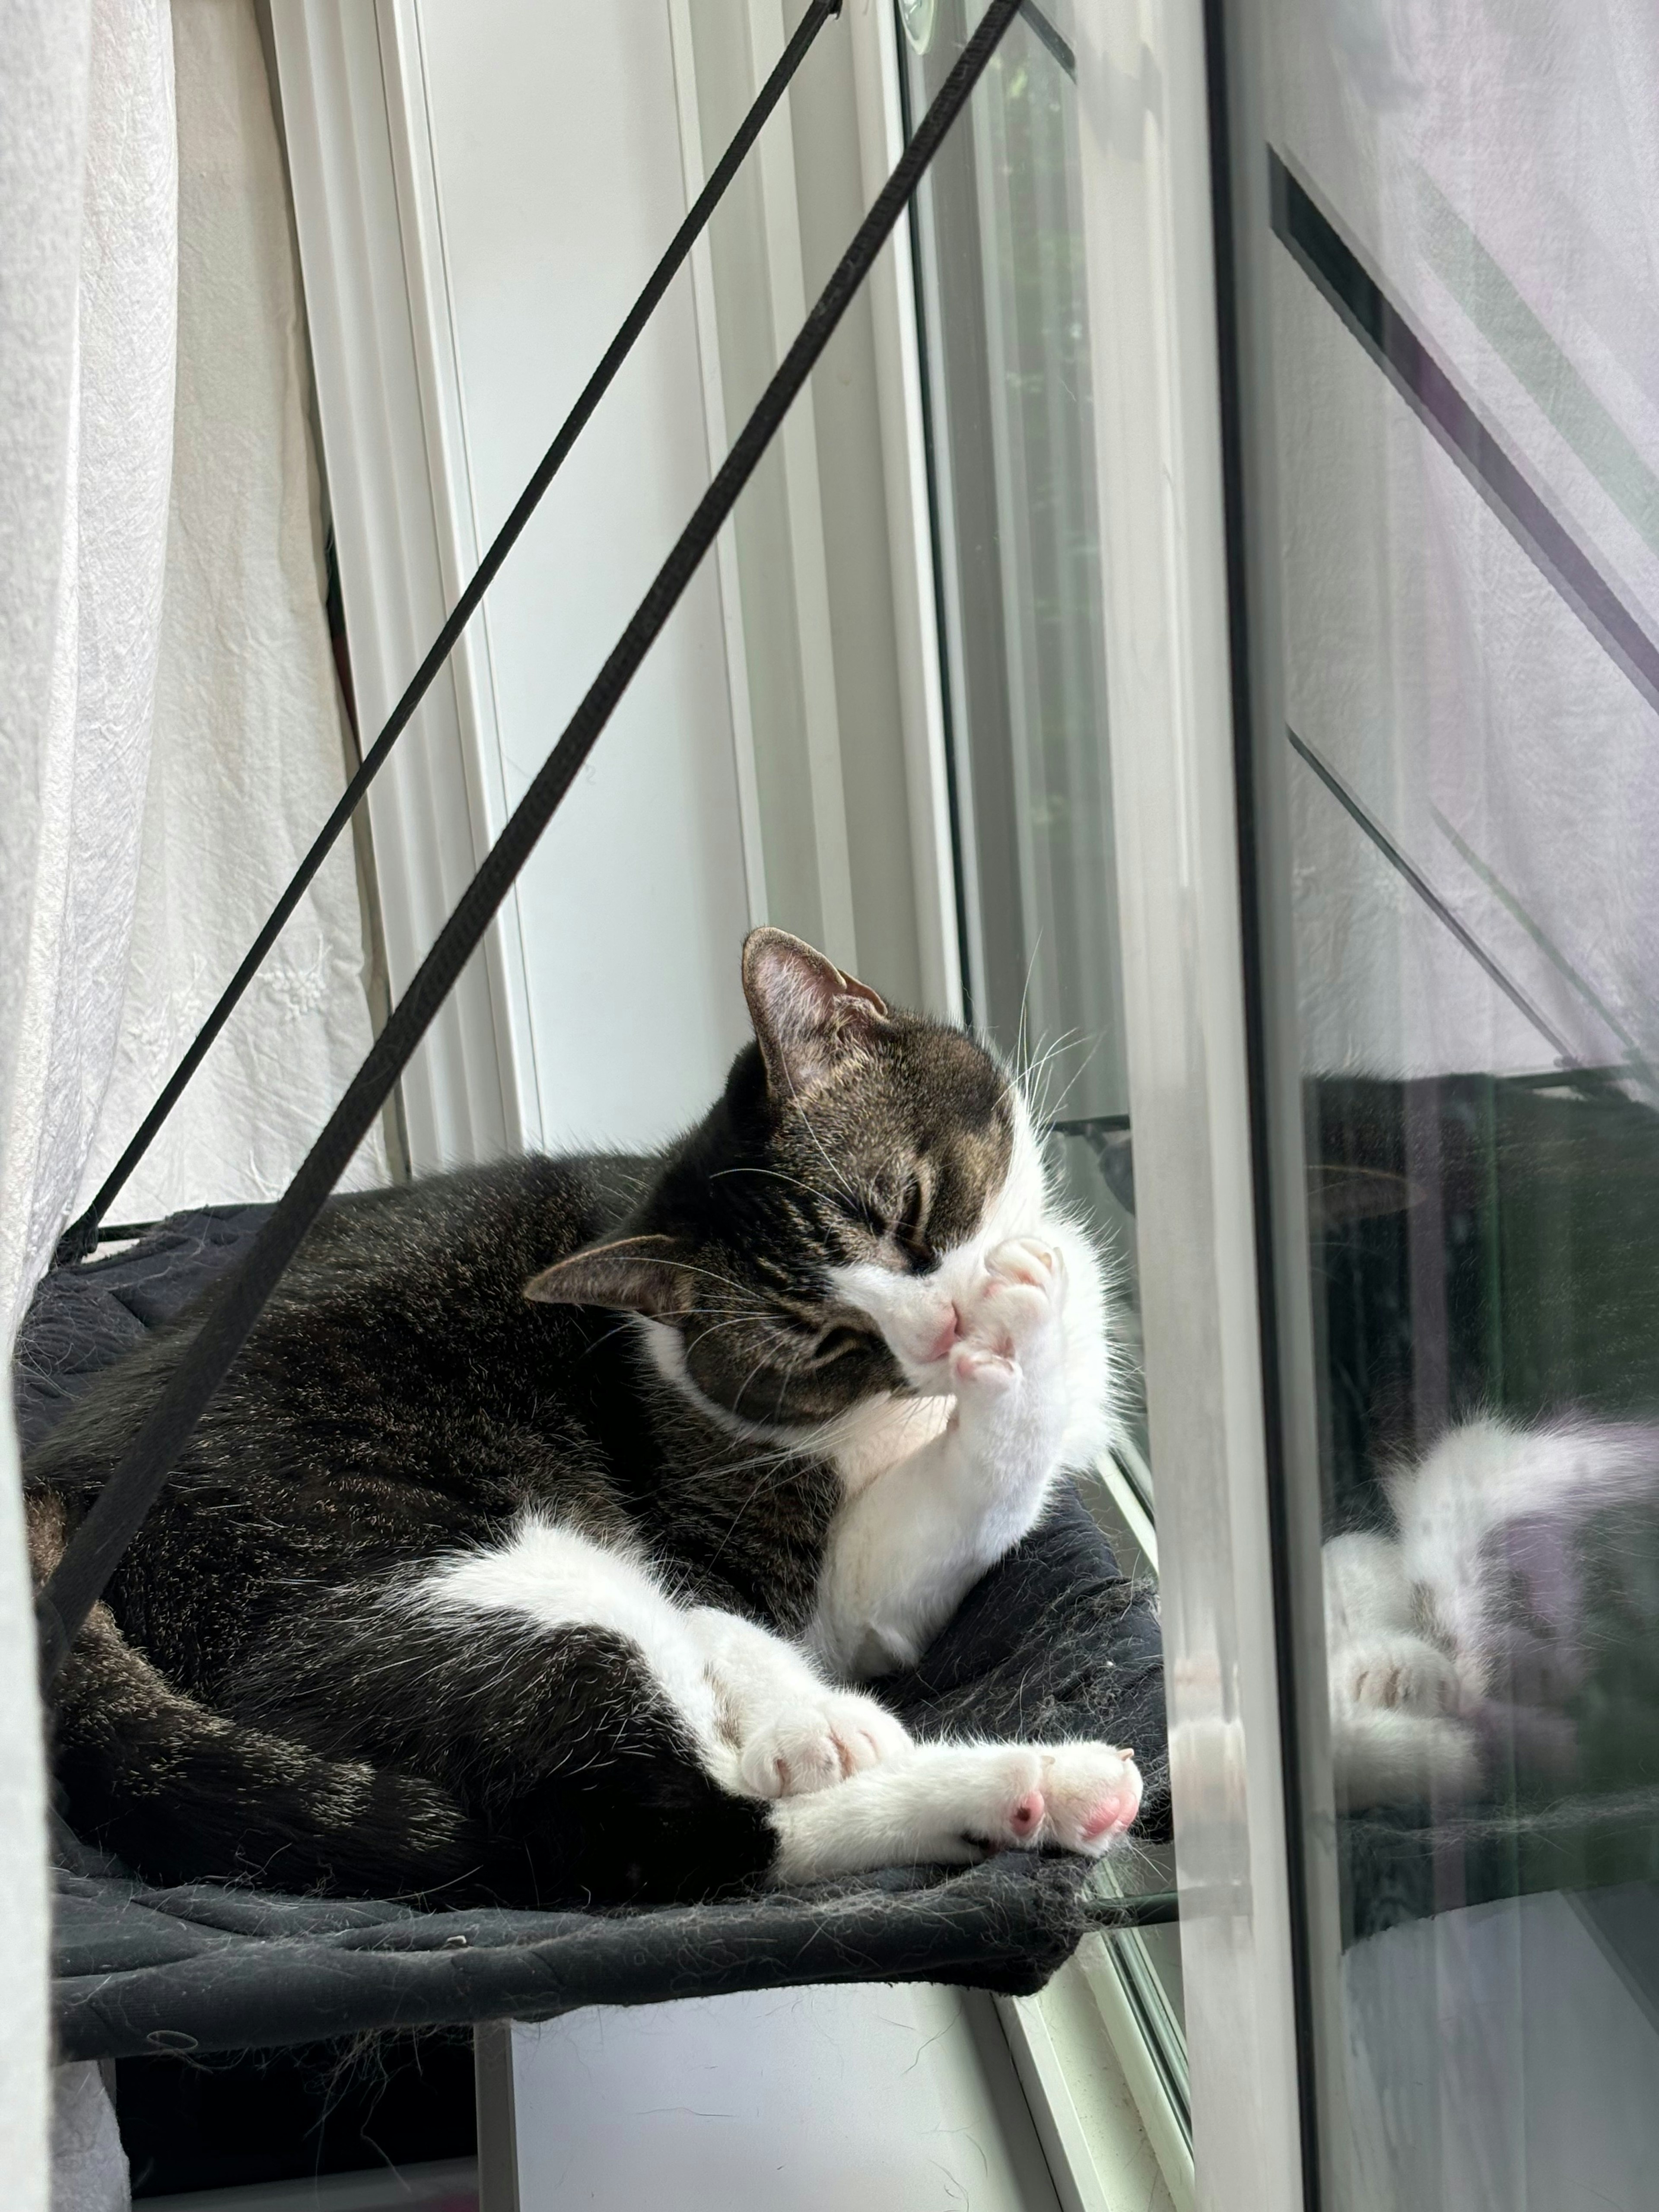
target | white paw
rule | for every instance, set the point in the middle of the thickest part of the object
(1091, 1793)
(1396, 1674)
(1073, 1798)
(949, 1804)
(1013, 1321)
(811, 1742)
(1382, 1756)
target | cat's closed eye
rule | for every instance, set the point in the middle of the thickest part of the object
(909, 1229)
(836, 1342)
(903, 1230)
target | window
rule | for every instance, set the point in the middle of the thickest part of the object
(1009, 413)
(1000, 256)
(1446, 263)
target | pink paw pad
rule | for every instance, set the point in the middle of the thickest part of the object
(1114, 1810)
(1025, 1817)
(1110, 1814)
(1024, 1260)
(974, 1363)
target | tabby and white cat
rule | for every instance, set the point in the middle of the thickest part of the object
(553, 1511)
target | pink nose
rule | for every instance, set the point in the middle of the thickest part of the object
(946, 1337)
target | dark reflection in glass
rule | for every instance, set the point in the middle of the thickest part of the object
(1460, 292)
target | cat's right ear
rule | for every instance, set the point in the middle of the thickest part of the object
(637, 1274)
(809, 1017)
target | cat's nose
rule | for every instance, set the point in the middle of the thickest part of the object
(949, 1332)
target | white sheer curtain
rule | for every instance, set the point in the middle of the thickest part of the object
(247, 757)
(87, 326)
(86, 450)
(170, 738)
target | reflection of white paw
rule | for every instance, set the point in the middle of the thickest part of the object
(815, 1741)
(1382, 1756)
(1396, 1674)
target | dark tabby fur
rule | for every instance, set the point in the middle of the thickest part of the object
(242, 1705)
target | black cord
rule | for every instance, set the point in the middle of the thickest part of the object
(81, 1234)
(96, 1547)
(1153, 1908)
(1431, 897)
(1044, 29)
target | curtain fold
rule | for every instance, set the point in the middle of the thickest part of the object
(86, 333)
(86, 453)
(247, 756)
(170, 740)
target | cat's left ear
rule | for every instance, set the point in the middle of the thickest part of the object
(808, 1016)
(637, 1274)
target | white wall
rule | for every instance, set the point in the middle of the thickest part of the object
(862, 2099)
(556, 152)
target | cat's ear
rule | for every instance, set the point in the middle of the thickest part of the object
(808, 1016)
(637, 1274)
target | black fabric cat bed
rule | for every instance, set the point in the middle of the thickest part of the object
(1053, 1643)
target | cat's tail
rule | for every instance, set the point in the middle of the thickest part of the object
(178, 1793)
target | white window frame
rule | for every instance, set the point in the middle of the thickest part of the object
(1144, 85)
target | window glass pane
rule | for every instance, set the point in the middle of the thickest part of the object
(1000, 266)
(1007, 390)
(1463, 302)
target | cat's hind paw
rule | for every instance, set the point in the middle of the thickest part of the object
(811, 1742)
(1091, 1793)
(953, 1804)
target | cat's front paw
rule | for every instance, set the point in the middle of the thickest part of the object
(812, 1741)
(1011, 1330)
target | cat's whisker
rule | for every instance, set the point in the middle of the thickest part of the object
(1033, 1078)
(1054, 1114)
(736, 1402)
(1024, 1002)
(730, 1282)
(778, 1175)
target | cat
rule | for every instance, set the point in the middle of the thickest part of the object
(1458, 1638)
(542, 1540)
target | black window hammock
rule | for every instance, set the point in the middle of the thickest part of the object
(1054, 1641)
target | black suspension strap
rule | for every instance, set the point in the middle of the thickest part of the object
(82, 1235)
(95, 1548)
